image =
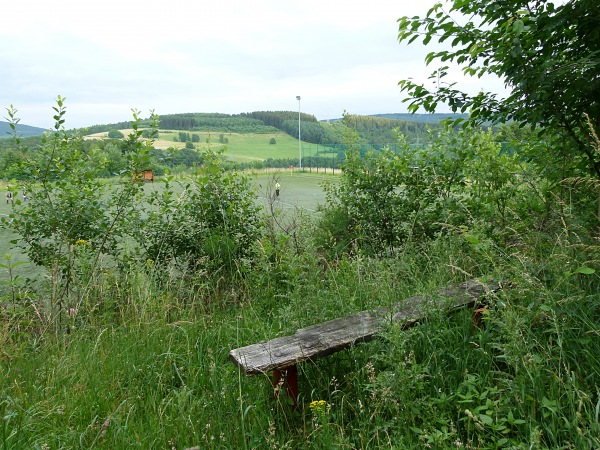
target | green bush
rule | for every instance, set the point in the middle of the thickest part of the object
(386, 198)
(115, 134)
(69, 208)
(212, 225)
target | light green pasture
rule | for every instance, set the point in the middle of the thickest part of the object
(240, 147)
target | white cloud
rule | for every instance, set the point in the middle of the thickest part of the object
(189, 56)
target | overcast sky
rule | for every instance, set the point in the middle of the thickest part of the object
(231, 56)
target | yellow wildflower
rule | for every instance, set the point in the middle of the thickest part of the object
(319, 407)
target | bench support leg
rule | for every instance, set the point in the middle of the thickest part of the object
(287, 377)
(478, 316)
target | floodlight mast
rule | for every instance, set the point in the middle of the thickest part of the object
(299, 136)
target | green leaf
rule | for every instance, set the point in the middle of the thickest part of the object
(518, 26)
(486, 419)
(510, 417)
(472, 239)
(585, 271)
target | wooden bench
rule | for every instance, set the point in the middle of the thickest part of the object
(281, 355)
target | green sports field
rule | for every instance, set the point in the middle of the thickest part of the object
(301, 190)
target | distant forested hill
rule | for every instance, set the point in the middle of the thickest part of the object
(215, 122)
(375, 130)
(422, 118)
(22, 130)
(431, 119)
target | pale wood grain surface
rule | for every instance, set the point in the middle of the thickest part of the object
(329, 337)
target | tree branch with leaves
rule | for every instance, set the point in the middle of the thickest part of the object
(547, 55)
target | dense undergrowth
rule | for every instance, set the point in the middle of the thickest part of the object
(125, 345)
(148, 367)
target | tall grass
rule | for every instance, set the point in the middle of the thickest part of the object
(144, 362)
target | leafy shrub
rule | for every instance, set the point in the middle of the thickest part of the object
(69, 206)
(115, 134)
(387, 198)
(213, 224)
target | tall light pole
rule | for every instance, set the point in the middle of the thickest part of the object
(299, 135)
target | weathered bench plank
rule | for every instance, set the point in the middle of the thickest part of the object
(326, 338)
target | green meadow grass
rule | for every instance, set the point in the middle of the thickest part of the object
(149, 368)
(250, 147)
(256, 147)
(240, 147)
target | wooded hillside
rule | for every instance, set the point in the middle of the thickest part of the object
(372, 130)
(22, 130)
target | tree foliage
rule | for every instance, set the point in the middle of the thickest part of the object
(380, 131)
(115, 134)
(386, 199)
(547, 55)
(215, 122)
(69, 210)
(212, 224)
(73, 221)
(276, 118)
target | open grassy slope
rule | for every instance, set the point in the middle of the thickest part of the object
(240, 147)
